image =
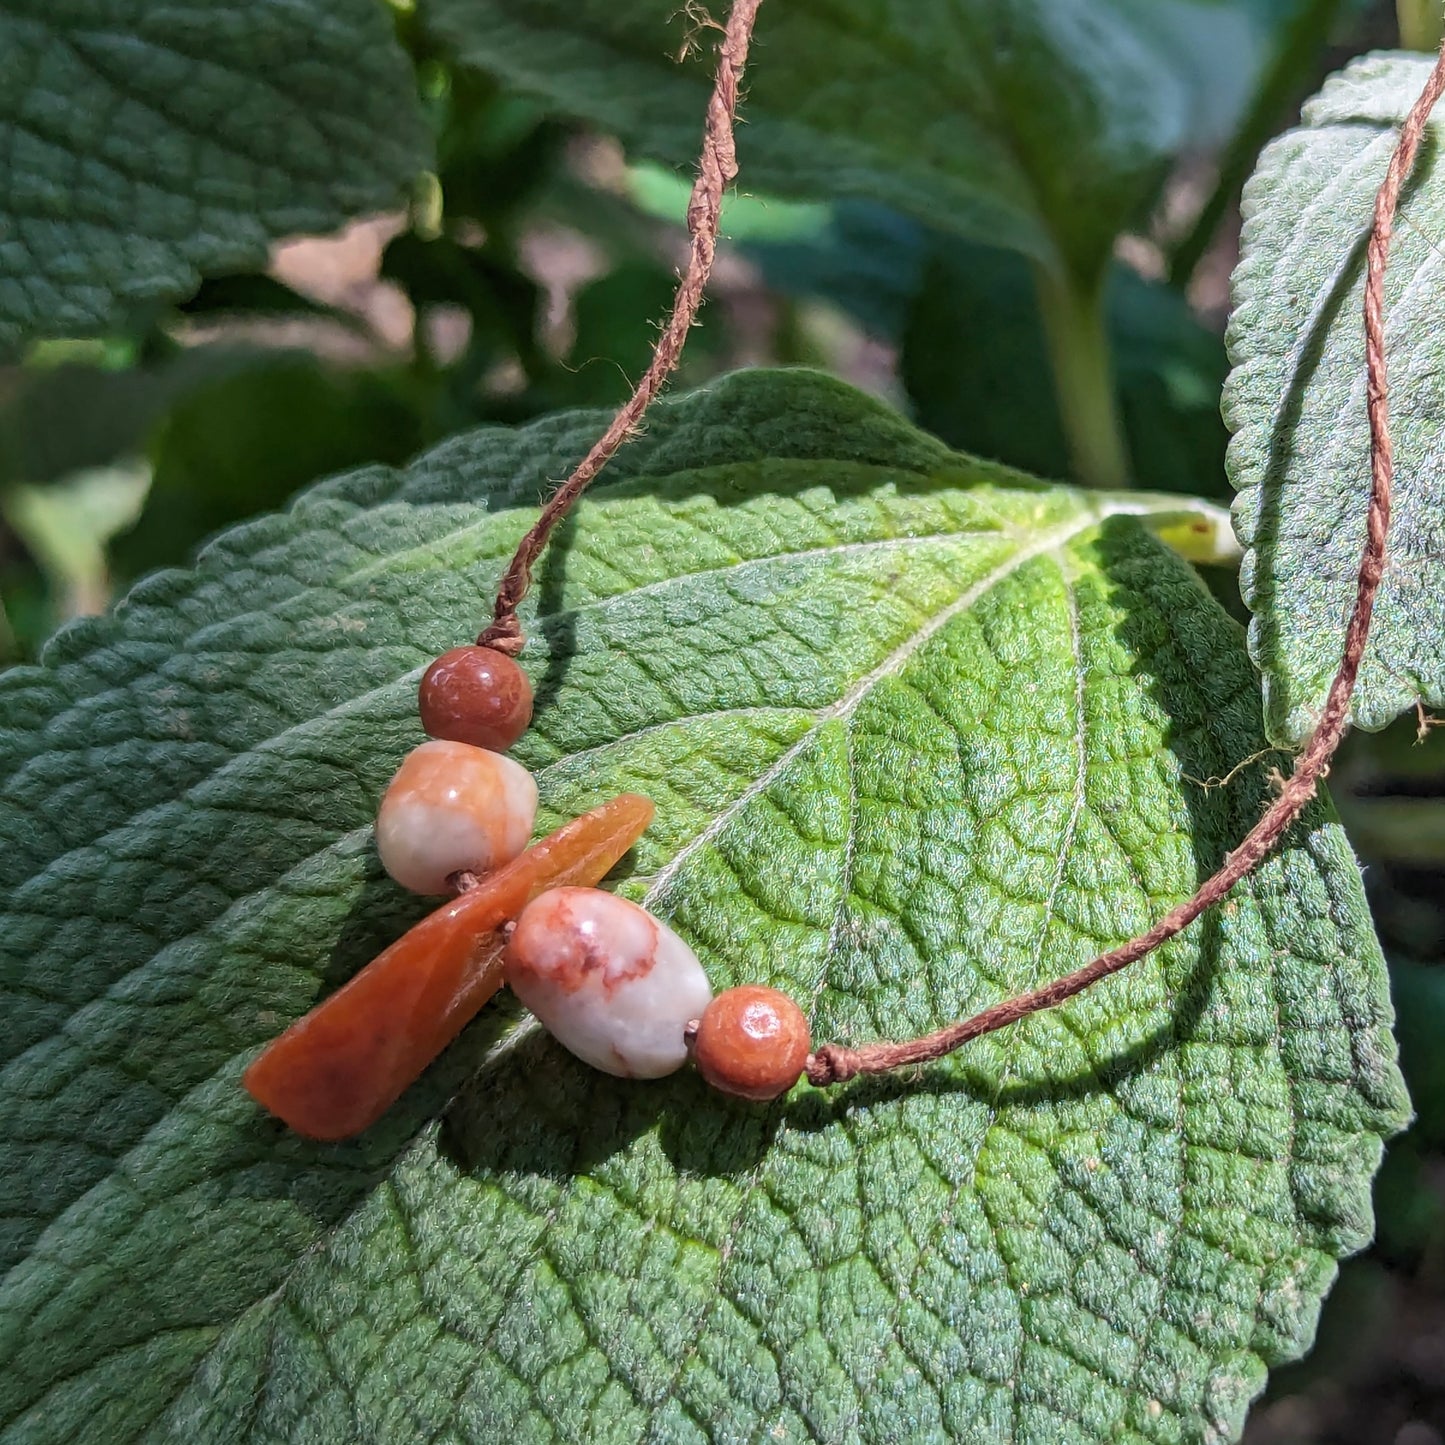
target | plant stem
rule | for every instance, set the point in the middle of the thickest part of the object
(1422, 23)
(1282, 83)
(1073, 317)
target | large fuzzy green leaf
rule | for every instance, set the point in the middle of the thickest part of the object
(921, 733)
(144, 145)
(1296, 402)
(1043, 125)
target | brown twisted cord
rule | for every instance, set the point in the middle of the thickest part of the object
(833, 1063)
(717, 165)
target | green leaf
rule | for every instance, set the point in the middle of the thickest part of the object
(1296, 403)
(665, 193)
(56, 420)
(250, 295)
(863, 257)
(920, 732)
(1045, 127)
(494, 150)
(244, 444)
(146, 145)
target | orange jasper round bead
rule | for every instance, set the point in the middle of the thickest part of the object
(475, 695)
(752, 1041)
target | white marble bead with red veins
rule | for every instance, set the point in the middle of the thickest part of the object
(607, 980)
(452, 808)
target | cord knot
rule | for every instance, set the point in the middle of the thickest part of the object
(832, 1064)
(504, 635)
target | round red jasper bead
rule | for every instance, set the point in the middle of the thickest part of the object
(475, 695)
(751, 1041)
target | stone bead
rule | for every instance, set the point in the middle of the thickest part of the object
(608, 981)
(336, 1070)
(475, 695)
(752, 1041)
(452, 808)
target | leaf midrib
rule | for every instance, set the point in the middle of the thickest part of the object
(892, 664)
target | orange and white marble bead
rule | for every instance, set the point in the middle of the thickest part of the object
(453, 808)
(612, 984)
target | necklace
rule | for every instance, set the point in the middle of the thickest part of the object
(613, 984)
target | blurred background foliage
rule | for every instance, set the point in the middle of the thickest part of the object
(529, 272)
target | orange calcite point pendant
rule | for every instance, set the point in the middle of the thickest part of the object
(335, 1071)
